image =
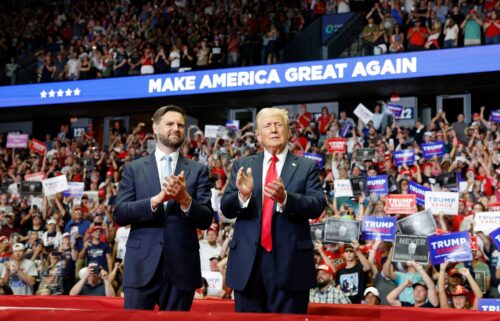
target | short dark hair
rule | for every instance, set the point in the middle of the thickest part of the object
(165, 109)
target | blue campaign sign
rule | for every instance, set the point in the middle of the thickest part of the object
(332, 23)
(495, 116)
(345, 129)
(495, 236)
(453, 247)
(488, 305)
(396, 110)
(374, 226)
(378, 184)
(419, 191)
(405, 156)
(431, 149)
(317, 158)
(307, 73)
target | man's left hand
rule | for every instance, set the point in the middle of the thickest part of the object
(275, 190)
(176, 188)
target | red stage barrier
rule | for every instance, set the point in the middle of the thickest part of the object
(81, 308)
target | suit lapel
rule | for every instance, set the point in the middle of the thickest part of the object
(151, 174)
(257, 170)
(290, 166)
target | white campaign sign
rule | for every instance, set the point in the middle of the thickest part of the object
(214, 280)
(442, 202)
(342, 188)
(363, 113)
(486, 222)
(55, 185)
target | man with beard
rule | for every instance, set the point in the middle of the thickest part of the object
(326, 292)
(165, 197)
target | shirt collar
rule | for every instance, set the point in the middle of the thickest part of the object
(281, 156)
(159, 155)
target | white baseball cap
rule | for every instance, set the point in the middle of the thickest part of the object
(372, 290)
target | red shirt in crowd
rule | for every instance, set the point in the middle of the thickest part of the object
(324, 121)
(415, 38)
(492, 30)
(304, 119)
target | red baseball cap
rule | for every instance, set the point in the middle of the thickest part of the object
(325, 268)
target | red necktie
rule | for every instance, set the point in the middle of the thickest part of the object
(267, 209)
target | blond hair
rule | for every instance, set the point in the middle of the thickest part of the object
(272, 111)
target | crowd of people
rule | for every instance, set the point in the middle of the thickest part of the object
(72, 40)
(67, 243)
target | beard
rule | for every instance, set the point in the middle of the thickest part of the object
(166, 141)
(322, 283)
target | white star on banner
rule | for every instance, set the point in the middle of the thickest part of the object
(43, 94)
(52, 93)
(76, 92)
(60, 93)
(68, 92)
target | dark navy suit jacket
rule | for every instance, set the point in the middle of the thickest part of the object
(292, 245)
(167, 232)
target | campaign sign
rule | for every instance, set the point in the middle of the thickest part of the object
(214, 131)
(318, 232)
(495, 116)
(17, 140)
(30, 188)
(442, 202)
(452, 247)
(39, 147)
(35, 177)
(495, 236)
(419, 191)
(233, 124)
(378, 184)
(87, 163)
(363, 154)
(214, 280)
(400, 204)
(433, 149)
(337, 230)
(75, 189)
(410, 248)
(494, 206)
(344, 130)
(396, 110)
(420, 223)
(486, 222)
(55, 185)
(373, 227)
(405, 156)
(318, 158)
(489, 305)
(363, 113)
(448, 180)
(336, 145)
(359, 185)
(342, 187)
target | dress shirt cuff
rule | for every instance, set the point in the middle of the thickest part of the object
(151, 205)
(244, 204)
(186, 211)
(281, 207)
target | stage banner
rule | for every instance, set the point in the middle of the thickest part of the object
(373, 227)
(405, 156)
(17, 140)
(363, 113)
(453, 247)
(488, 305)
(409, 248)
(433, 149)
(486, 222)
(400, 204)
(419, 191)
(55, 185)
(396, 110)
(318, 158)
(337, 230)
(495, 116)
(342, 187)
(495, 236)
(421, 223)
(39, 147)
(35, 177)
(442, 202)
(378, 184)
(336, 145)
(75, 189)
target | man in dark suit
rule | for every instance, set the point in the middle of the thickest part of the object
(273, 195)
(165, 197)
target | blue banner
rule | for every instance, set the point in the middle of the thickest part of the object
(419, 191)
(317, 158)
(396, 110)
(495, 236)
(378, 184)
(345, 129)
(404, 156)
(431, 149)
(307, 73)
(488, 305)
(453, 247)
(375, 226)
(495, 116)
(332, 23)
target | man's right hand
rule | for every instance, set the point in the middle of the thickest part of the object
(244, 183)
